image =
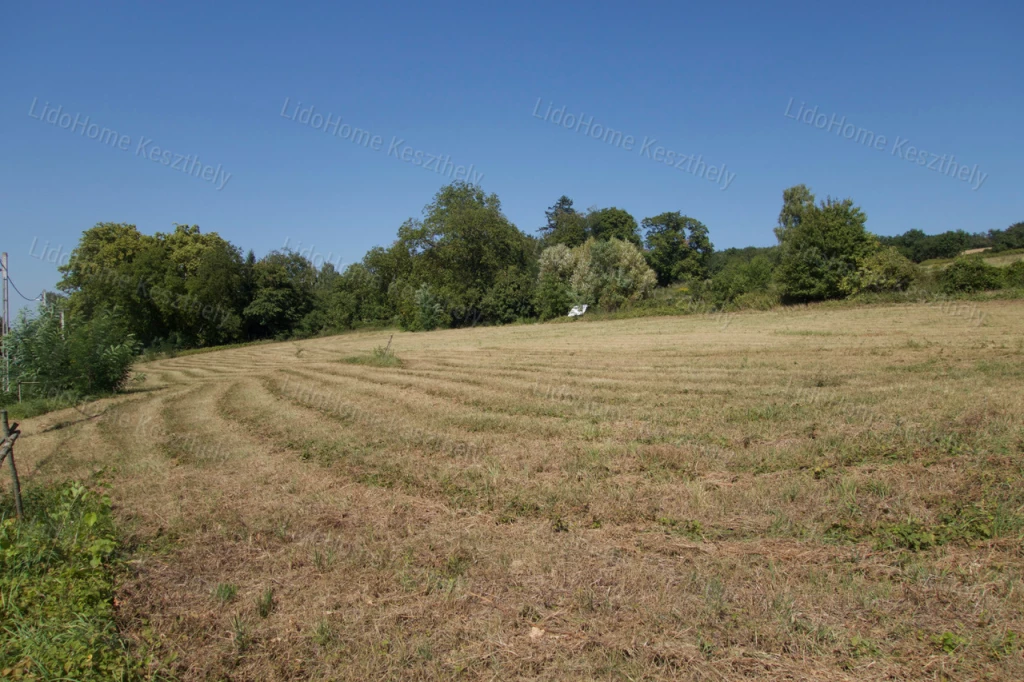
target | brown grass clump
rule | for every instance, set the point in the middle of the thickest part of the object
(821, 494)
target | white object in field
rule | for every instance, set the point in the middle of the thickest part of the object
(578, 310)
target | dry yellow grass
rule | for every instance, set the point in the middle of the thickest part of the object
(818, 494)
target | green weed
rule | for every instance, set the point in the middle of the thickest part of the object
(57, 570)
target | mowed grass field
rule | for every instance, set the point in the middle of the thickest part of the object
(823, 493)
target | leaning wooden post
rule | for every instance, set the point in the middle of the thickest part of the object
(10, 460)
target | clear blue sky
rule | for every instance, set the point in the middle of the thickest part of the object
(210, 80)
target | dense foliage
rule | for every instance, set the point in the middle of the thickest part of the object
(609, 274)
(83, 357)
(56, 578)
(678, 247)
(969, 274)
(884, 270)
(825, 245)
(464, 263)
(920, 247)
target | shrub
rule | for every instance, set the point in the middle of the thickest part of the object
(1014, 275)
(739, 278)
(969, 274)
(429, 313)
(758, 300)
(883, 271)
(382, 356)
(57, 581)
(608, 274)
(511, 297)
(86, 358)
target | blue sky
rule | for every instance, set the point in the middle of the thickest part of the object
(210, 81)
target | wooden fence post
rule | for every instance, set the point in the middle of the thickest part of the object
(8, 441)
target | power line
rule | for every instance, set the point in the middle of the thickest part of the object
(37, 298)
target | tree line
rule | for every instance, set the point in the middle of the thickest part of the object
(464, 263)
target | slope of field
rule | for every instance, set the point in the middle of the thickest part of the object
(1000, 259)
(816, 494)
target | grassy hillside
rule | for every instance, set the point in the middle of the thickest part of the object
(819, 493)
(999, 259)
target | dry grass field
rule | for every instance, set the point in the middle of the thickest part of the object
(824, 493)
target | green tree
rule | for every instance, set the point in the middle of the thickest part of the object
(826, 244)
(96, 277)
(739, 277)
(555, 294)
(796, 201)
(609, 274)
(564, 224)
(1010, 238)
(183, 286)
(612, 223)
(885, 270)
(678, 247)
(214, 296)
(461, 247)
(429, 313)
(283, 293)
(512, 296)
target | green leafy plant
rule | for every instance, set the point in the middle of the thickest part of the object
(88, 358)
(949, 642)
(1014, 275)
(57, 570)
(883, 271)
(968, 274)
(910, 534)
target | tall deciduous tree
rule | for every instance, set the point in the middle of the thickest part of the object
(678, 247)
(284, 293)
(461, 248)
(826, 244)
(612, 223)
(796, 201)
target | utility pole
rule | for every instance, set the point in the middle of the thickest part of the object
(5, 327)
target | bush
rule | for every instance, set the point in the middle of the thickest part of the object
(553, 298)
(86, 358)
(57, 581)
(608, 274)
(511, 298)
(382, 356)
(429, 313)
(969, 274)
(1014, 275)
(758, 300)
(739, 278)
(884, 271)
